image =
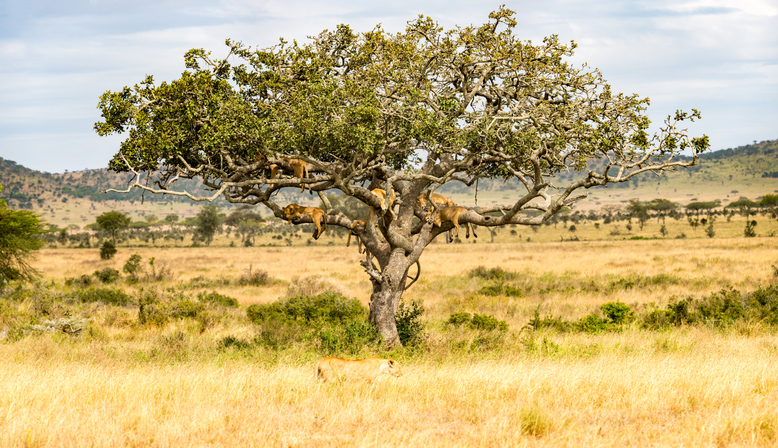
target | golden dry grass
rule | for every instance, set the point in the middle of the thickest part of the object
(687, 389)
(126, 385)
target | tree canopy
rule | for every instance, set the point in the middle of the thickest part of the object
(404, 112)
(19, 231)
(113, 222)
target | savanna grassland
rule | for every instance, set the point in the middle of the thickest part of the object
(82, 364)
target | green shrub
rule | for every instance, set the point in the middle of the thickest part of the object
(107, 275)
(492, 274)
(255, 278)
(617, 312)
(488, 323)
(133, 265)
(107, 250)
(218, 299)
(459, 319)
(184, 308)
(150, 309)
(327, 307)
(349, 338)
(590, 324)
(79, 282)
(409, 325)
(330, 320)
(108, 296)
(501, 289)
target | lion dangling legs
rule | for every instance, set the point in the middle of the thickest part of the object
(357, 223)
(452, 214)
(293, 211)
(368, 369)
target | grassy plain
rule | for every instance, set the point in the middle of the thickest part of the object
(125, 384)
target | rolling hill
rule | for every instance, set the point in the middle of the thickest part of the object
(78, 198)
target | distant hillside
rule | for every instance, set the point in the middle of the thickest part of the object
(726, 175)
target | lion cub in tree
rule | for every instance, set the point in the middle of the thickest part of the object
(293, 211)
(368, 369)
(452, 214)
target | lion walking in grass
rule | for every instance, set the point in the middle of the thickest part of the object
(368, 369)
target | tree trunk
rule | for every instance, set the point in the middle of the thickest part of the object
(388, 286)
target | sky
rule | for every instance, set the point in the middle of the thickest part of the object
(58, 56)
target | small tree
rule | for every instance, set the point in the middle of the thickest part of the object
(19, 238)
(208, 221)
(638, 210)
(107, 250)
(113, 222)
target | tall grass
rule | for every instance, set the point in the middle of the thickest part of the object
(200, 376)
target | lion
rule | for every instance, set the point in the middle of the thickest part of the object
(368, 369)
(438, 199)
(452, 214)
(356, 223)
(294, 211)
(384, 204)
(299, 167)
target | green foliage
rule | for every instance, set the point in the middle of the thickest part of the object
(331, 321)
(19, 238)
(133, 265)
(410, 328)
(107, 250)
(255, 278)
(488, 323)
(496, 273)
(218, 299)
(108, 296)
(107, 275)
(501, 289)
(327, 307)
(459, 319)
(208, 221)
(479, 322)
(617, 312)
(113, 222)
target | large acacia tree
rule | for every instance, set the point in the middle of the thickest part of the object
(407, 112)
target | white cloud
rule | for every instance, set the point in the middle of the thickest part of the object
(715, 55)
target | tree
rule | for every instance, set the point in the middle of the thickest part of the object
(404, 112)
(171, 219)
(19, 237)
(639, 210)
(208, 221)
(113, 222)
(245, 223)
(698, 206)
(662, 207)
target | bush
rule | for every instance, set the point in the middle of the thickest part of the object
(617, 312)
(488, 323)
(327, 318)
(492, 274)
(218, 299)
(107, 250)
(133, 265)
(459, 319)
(501, 289)
(409, 326)
(108, 296)
(79, 282)
(107, 275)
(254, 278)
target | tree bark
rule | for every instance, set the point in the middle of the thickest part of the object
(388, 286)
